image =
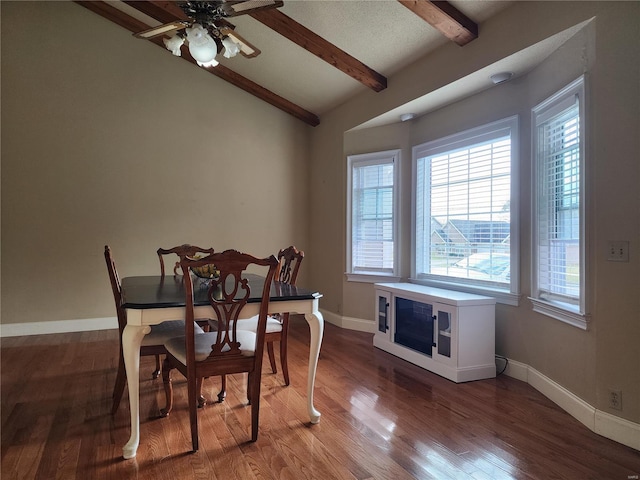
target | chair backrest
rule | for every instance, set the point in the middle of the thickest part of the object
(289, 260)
(181, 251)
(228, 295)
(116, 287)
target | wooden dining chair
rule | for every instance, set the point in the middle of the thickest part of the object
(227, 350)
(152, 343)
(289, 261)
(185, 250)
(182, 251)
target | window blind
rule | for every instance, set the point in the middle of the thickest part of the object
(463, 210)
(559, 203)
(372, 218)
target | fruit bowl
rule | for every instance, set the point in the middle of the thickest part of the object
(206, 271)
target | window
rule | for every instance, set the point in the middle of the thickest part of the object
(558, 258)
(464, 233)
(372, 215)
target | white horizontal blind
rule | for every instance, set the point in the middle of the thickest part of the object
(372, 234)
(558, 234)
(463, 208)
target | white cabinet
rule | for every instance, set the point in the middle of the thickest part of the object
(449, 333)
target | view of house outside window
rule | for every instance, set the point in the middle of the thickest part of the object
(463, 206)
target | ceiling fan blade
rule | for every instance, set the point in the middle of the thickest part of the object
(233, 8)
(221, 24)
(166, 29)
(246, 48)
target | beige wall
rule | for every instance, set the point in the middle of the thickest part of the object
(590, 363)
(110, 141)
(105, 140)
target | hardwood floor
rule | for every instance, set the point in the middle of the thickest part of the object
(382, 418)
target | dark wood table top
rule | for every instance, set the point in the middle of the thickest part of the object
(165, 292)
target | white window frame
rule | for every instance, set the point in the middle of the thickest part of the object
(355, 161)
(509, 294)
(575, 314)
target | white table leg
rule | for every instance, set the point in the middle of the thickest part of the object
(131, 341)
(316, 327)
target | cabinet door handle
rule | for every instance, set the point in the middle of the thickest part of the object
(434, 318)
(386, 316)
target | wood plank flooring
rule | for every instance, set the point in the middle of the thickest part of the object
(382, 418)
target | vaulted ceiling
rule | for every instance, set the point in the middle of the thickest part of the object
(316, 54)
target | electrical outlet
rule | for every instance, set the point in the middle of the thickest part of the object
(615, 399)
(618, 251)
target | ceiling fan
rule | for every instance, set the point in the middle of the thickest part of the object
(206, 32)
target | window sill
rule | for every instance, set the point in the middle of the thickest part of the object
(371, 277)
(501, 296)
(561, 311)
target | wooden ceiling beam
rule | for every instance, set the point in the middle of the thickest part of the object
(163, 11)
(167, 11)
(134, 25)
(314, 43)
(444, 17)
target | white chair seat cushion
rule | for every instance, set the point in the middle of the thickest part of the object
(251, 324)
(164, 331)
(203, 341)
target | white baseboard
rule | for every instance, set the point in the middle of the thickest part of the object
(609, 426)
(517, 370)
(57, 326)
(570, 403)
(618, 429)
(350, 323)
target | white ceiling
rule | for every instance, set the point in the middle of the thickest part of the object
(383, 34)
(518, 64)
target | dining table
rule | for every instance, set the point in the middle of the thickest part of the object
(151, 300)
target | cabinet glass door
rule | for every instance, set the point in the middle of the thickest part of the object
(383, 313)
(444, 334)
(445, 350)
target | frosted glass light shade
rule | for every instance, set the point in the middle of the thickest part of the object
(203, 53)
(211, 63)
(231, 48)
(173, 44)
(202, 47)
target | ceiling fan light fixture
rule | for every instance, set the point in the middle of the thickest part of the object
(205, 29)
(246, 49)
(231, 48)
(211, 63)
(173, 44)
(202, 47)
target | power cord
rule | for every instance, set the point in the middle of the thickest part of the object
(506, 363)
